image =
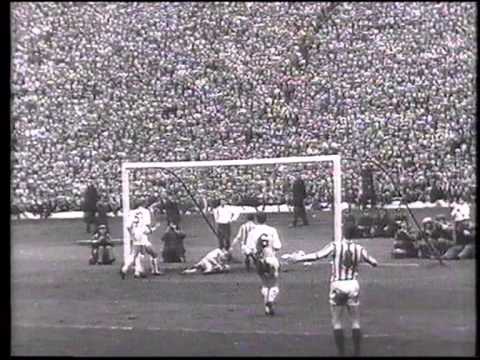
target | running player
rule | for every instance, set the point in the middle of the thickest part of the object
(213, 263)
(267, 242)
(247, 249)
(344, 286)
(140, 226)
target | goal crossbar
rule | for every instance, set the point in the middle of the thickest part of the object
(126, 166)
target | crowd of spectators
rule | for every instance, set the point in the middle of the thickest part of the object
(96, 84)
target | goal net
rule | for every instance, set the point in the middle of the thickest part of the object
(250, 184)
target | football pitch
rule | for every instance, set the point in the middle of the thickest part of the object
(61, 306)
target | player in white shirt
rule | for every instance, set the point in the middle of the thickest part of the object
(247, 249)
(460, 215)
(139, 227)
(267, 243)
(344, 286)
(224, 215)
(213, 263)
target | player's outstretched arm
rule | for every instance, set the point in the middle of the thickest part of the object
(369, 259)
(326, 251)
(306, 257)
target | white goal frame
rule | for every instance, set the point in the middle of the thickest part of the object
(337, 182)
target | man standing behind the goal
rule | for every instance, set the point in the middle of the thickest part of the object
(299, 194)
(224, 215)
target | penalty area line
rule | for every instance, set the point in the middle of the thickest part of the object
(398, 264)
(185, 329)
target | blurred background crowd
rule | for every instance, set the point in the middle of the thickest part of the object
(96, 84)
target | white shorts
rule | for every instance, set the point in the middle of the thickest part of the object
(350, 289)
(247, 250)
(269, 266)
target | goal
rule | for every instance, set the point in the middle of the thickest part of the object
(185, 169)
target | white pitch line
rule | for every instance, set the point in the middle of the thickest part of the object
(183, 329)
(75, 326)
(398, 264)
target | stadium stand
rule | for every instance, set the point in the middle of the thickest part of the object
(95, 84)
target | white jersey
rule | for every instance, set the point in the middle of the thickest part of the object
(242, 236)
(214, 259)
(139, 225)
(460, 212)
(267, 235)
(225, 214)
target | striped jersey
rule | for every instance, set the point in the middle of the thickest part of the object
(243, 232)
(346, 256)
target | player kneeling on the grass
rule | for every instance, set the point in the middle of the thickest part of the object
(267, 242)
(173, 245)
(404, 245)
(139, 227)
(248, 250)
(344, 286)
(102, 247)
(213, 263)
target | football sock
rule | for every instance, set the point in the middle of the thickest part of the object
(339, 341)
(154, 265)
(357, 337)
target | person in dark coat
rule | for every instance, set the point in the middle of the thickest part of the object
(365, 225)
(90, 206)
(369, 196)
(299, 194)
(404, 245)
(102, 217)
(102, 247)
(384, 225)
(171, 209)
(173, 246)
(349, 225)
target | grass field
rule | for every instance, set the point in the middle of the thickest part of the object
(61, 306)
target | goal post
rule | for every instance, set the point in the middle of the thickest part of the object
(337, 180)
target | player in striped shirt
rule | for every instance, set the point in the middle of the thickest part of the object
(344, 286)
(247, 249)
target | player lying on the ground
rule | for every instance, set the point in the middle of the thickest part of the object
(139, 227)
(102, 247)
(344, 286)
(267, 243)
(213, 263)
(247, 249)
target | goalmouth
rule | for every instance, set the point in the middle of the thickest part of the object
(335, 159)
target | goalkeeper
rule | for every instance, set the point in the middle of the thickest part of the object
(213, 263)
